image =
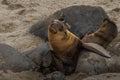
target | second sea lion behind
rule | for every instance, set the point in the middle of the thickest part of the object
(104, 35)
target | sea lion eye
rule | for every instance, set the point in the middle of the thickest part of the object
(65, 34)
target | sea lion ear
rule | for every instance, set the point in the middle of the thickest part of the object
(62, 18)
(97, 49)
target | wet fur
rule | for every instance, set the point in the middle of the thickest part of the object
(65, 49)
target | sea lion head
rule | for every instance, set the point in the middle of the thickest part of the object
(59, 29)
(60, 37)
(109, 28)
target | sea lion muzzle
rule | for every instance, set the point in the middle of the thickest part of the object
(56, 24)
(53, 29)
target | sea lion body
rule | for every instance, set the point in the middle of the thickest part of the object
(40, 55)
(66, 46)
(104, 35)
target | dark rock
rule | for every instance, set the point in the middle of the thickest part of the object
(91, 63)
(39, 53)
(114, 47)
(11, 59)
(82, 19)
(41, 56)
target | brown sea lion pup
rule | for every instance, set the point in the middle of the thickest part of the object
(104, 35)
(66, 46)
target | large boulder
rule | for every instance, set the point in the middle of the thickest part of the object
(39, 54)
(82, 19)
(91, 63)
(42, 57)
(11, 59)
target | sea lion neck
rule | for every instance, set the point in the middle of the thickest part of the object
(64, 45)
(59, 43)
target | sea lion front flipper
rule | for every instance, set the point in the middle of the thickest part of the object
(97, 49)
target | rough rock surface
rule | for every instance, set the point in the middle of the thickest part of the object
(114, 47)
(92, 64)
(39, 53)
(42, 57)
(82, 19)
(11, 59)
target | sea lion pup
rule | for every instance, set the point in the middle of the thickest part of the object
(66, 46)
(104, 35)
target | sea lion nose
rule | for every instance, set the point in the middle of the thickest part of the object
(54, 23)
(57, 24)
